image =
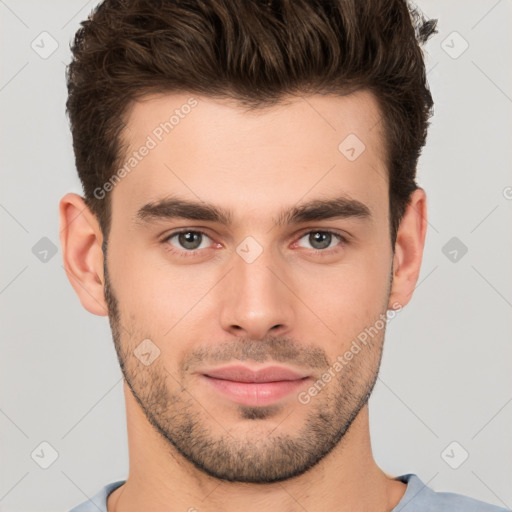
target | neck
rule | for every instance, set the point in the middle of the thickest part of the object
(160, 479)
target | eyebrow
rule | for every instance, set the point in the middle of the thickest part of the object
(319, 209)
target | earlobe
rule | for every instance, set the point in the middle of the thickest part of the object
(409, 246)
(81, 239)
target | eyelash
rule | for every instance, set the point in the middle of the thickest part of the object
(173, 250)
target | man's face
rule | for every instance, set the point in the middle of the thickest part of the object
(254, 292)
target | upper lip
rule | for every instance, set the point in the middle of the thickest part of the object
(240, 373)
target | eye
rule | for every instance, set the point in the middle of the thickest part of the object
(188, 240)
(321, 240)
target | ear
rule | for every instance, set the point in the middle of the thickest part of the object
(409, 250)
(81, 240)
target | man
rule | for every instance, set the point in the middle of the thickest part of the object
(250, 222)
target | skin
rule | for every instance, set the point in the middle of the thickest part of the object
(190, 447)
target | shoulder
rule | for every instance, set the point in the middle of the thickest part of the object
(419, 497)
(98, 503)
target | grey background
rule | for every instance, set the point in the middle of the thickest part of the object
(447, 365)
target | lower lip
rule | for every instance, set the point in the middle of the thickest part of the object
(252, 393)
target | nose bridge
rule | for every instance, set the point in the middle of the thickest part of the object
(254, 299)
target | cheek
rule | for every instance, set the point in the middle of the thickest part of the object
(138, 286)
(348, 297)
(154, 295)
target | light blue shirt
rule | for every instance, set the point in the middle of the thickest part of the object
(417, 498)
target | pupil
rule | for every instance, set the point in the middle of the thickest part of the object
(323, 238)
(189, 240)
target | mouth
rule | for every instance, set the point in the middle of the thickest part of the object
(245, 386)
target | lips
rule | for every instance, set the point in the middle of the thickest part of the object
(245, 374)
(264, 386)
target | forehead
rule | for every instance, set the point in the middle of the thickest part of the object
(217, 151)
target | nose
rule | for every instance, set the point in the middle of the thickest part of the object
(256, 298)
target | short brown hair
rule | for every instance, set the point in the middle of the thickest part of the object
(255, 52)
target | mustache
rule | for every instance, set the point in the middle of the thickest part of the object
(279, 349)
